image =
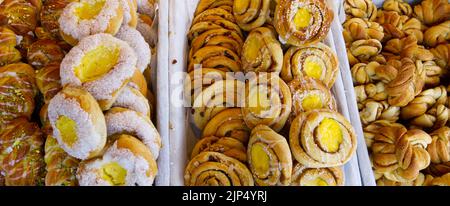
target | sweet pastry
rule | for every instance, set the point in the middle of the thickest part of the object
(373, 129)
(148, 30)
(50, 13)
(139, 82)
(217, 37)
(372, 110)
(408, 48)
(200, 79)
(367, 92)
(442, 55)
(396, 25)
(439, 149)
(437, 34)
(130, 15)
(438, 169)
(22, 154)
(61, 168)
(421, 180)
(130, 98)
(216, 169)
(125, 121)
(48, 81)
(251, 14)
(8, 40)
(361, 29)
(210, 4)
(147, 7)
(431, 12)
(228, 123)
(399, 6)
(213, 14)
(434, 73)
(139, 45)
(78, 123)
(214, 99)
(300, 22)
(364, 9)
(43, 52)
(268, 101)
(215, 57)
(269, 157)
(316, 60)
(303, 176)
(21, 15)
(18, 89)
(125, 162)
(310, 94)
(102, 65)
(372, 72)
(262, 52)
(364, 50)
(87, 17)
(322, 138)
(441, 181)
(211, 24)
(226, 145)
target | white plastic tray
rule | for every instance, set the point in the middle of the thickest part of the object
(182, 137)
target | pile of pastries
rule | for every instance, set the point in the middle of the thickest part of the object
(400, 58)
(278, 124)
(75, 104)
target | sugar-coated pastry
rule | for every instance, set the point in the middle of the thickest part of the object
(101, 64)
(22, 154)
(126, 121)
(431, 12)
(328, 176)
(228, 123)
(78, 122)
(87, 17)
(251, 14)
(216, 169)
(21, 15)
(125, 162)
(226, 145)
(315, 60)
(365, 9)
(132, 99)
(130, 15)
(322, 138)
(139, 45)
(43, 52)
(300, 22)
(268, 101)
(147, 7)
(48, 81)
(269, 157)
(139, 82)
(61, 167)
(146, 27)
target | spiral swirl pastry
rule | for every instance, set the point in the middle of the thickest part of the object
(214, 99)
(439, 149)
(399, 6)
(217, 37)
(328, 176)
(199, 79)
(215, 57)
(216, 169)
(9, 54)
(371, 111)
(22, 154)
(322, 138)
(437, 34)
(442, 55)
(48, 81)
(17, 89)
(251, 14)
(61, 168)
(228, 123)
(211, 23)
(21, 15)
(267, 101)
(361, 29)
(226, 145)
(300, 22)
(316, 60)
(364, 9)
(262, 52)
(212, 15)
(210, 4)
(364, 50)
(269, 157)
(431, 12)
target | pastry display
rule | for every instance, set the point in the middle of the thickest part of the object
(304, 176)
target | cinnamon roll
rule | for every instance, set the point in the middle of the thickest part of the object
(228, 123)
(199, 79)
(322, 138)
(226, 145)
(269, 157)
(442, 55)
(210, 4)
(217, 37)
(437, 34)
(439, 149)
(431, 12)
(300, 22)
(399, 6)
(361, 29)
(211, 24)
(216, 169)
(364, 9)
(316, 60)
(251, 14)
(328, 176)
(215, 57)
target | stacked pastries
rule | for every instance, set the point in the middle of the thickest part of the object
(278, 125)
(399, 57)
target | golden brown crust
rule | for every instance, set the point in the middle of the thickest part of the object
(438, 34)
(8, 53)
(442, 55)
(439, 149)
(48, 81)
(431, 12)
(228, 123)
(210, 4)
(51, 11)
(61, 168)
(43, 52)
(364, 50)
(215, 57)
(400, 26)
(226, 145)
(399, 6)
(361, 29)
(217, 37)
(251, 14)
(372, 110)
(365, 9)
(332, 176)
(22, 16)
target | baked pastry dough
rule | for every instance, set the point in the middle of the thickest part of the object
(132, 99)
(43, 52)
(217, 37)
(373, 129)
(210, 4)
(8, 42)
(22, 154)
(399, 26)
(213, 23)
(48, 81)
(420, 181)
(147, 28)
(102, 65)
(310, 94)
(139, 82)
(441, 181)
(363, 50)
(438, 169)
(322, 138)
(251, 14)
(216, 169)
(372, 72)
(439, 149)
(130, 15)
(269, 157)
(262, 52)
(214, 99)
(365, 93)
(267, 101)
(328, 176)
(399, 6)
(372, 110)
(442, 55)
(125, 121)
(78, 123)
(228, 123)
(147, 7)
(61, 168)
(431, 12)
(407, 48)
(136, 41)
(300, 22)
(361, 29)
(437, 34)
(51, 11)
(200, 79)
(226, 145)
(125, 162)
(365, 9)
(316, 60)
(215, 57)
(434, 73)
(21, 15)
(87, 17)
